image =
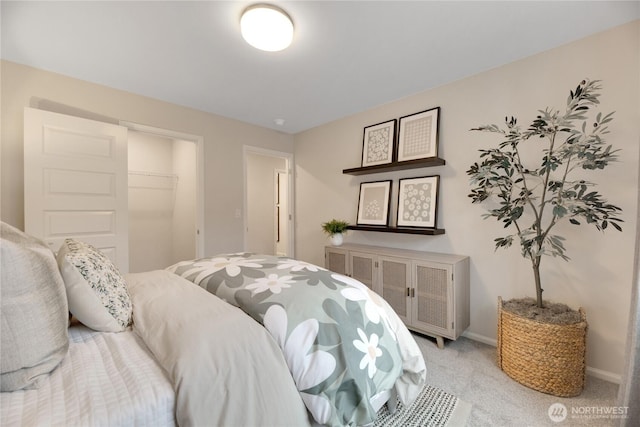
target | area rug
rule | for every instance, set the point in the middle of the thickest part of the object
(432, 408)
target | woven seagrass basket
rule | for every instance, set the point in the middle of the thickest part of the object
(545, 357)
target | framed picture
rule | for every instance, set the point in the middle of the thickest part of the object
(418, 202)
(374, 203)
(418, 136)
(377, 143)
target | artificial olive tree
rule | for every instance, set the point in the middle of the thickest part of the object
(533, 196)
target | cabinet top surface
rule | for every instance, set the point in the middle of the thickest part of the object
(399, 252)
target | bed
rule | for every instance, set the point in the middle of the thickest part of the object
(234, 339)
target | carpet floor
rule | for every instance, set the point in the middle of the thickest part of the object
(467, 369)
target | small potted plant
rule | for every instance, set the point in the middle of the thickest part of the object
(335, 229)
(536, 347)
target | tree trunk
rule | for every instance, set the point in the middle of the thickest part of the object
(536, 275)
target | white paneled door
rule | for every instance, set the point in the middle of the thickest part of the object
(75, 182)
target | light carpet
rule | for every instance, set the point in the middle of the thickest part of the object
(432, 408)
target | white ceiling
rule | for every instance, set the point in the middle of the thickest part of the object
(347, 56)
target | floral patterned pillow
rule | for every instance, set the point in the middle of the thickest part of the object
(97, 293)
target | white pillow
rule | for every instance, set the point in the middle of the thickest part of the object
(33, 307)
(96, 291)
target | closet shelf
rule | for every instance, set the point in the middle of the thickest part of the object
(396, 166)
(152, 180)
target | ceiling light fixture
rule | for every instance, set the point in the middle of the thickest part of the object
(266, 27)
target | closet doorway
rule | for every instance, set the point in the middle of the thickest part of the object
(77, 185)
(165, 219)
(268, 202)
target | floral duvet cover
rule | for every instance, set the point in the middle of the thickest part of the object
(340, 340)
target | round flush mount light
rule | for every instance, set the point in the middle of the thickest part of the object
(266, 27)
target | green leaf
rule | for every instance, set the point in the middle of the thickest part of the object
(559, 211)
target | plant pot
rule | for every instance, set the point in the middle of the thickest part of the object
(546, 357)
(336, 239)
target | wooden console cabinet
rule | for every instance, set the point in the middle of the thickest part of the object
(428, 290)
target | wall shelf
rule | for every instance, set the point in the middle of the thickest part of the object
(403, 230)
(396, 166)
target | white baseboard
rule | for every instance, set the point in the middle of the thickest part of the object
(596, 373)
(604, 375)
(480, 338)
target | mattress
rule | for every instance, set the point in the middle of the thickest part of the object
(106, 379)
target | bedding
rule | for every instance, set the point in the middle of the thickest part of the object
(227, 370)
(342, 343)
(105, 379)
(190, 359)
(324, 349)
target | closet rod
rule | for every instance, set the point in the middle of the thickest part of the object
(156, 174)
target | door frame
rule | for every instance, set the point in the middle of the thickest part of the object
(289, 166)
(199, 141)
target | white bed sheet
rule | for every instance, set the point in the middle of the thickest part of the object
(106, 379)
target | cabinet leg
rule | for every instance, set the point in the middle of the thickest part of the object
(440, 342)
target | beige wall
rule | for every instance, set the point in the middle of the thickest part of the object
(598, 277)
(223, 140)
